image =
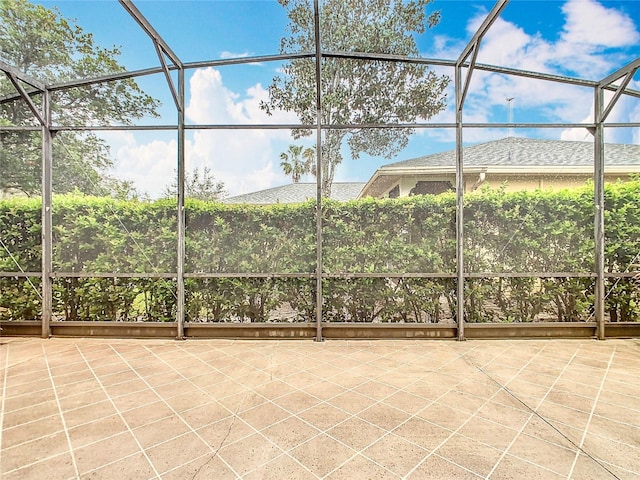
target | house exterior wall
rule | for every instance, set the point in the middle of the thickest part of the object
(512, 183)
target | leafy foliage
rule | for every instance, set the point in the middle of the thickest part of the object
(355, 91)
(515, 233)
(44, 45)
(199, 186)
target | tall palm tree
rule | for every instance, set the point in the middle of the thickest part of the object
(293, 164)
(309, 156)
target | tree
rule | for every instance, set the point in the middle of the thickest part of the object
(358, 91)
(297, 161)
(43, 45)
(201, 186)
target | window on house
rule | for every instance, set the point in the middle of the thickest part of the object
(431, 188)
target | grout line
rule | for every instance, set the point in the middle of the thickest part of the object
(486, 402)
(531, 414)
(118, 411)
(538, 415)
(586, 428)
(431, 402)
(64, 423)
(168, 405)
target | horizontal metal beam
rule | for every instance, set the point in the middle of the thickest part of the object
(345, 275)
(331, 330)
(270, 58)
(11, 70)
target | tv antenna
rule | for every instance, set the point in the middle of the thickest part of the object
(510, 115)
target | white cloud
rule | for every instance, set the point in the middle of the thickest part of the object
(244, 159)
(585, 47)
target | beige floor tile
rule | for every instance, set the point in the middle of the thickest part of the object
(510, 468)
(177, 452)
(396, 454)
(225, 432)
(444, 415)
(30, 414)
(361, 467)
(264, 415)
(384, 416)
(135, 466)
(470, 454)
(96, 430)
(324, 390)
(437, 468)
(547, 455)
(160, 431)
(33, 451)
(356, 433)
(204, 468)
(249, 453)
(82, 399)
(205, 414)
(297, 401)
(351, 402)
(488, 432)
(322, 454)
(89, 413)
(60, 466)
(425, 434)
(145, 414)
(323, 416)
(104, 452)
(290, 433)
(620, 454)
(407, 402)
(27, 432)
(587, 469)
(29, 400)
(283, 467)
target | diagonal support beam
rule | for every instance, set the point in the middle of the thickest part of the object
(167, 75)
(27, 98)
(10, 70)
(474, 45)
(149, 30)
(628, 71)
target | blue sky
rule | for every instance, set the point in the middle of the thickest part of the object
(579, 38)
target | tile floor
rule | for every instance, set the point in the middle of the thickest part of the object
(217, 409)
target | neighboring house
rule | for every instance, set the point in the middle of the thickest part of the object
(517, 163)
(297, 192)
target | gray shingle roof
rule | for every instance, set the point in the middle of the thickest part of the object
(298, 192)
(514, 151)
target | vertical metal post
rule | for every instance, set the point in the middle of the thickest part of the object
(47, 236)
(181, 211)
(459, 205)
(319, 262)
(598, 158)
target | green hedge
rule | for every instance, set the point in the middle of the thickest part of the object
(541, 231)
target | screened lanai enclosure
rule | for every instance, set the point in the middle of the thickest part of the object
(331, 180)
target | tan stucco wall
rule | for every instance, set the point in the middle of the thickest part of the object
(513, 182)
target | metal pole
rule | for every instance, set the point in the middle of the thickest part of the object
(181, 212)
(598, 156)
(319, 262)
(47, 237)
(459, 205)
